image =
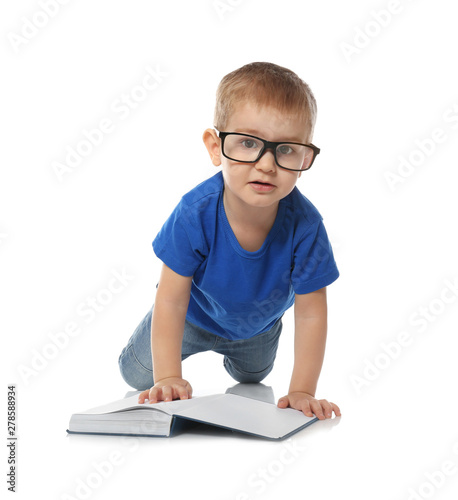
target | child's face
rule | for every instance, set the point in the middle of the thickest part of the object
(239, 178)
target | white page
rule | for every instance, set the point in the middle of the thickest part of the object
(247, 415)
(121, 404)
(131, 402)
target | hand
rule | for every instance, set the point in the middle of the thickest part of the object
(309, 405)
(167, 389)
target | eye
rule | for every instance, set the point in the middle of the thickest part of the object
(285, 149)
(249, 143)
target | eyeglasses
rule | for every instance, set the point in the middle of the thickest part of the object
(247, 148)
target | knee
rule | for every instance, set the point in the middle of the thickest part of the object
(243, 376)
(134, 373)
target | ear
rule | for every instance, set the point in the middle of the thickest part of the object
(212, 143)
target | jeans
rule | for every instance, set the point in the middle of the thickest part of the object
(246, 360)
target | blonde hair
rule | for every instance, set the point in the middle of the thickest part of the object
(265, 84)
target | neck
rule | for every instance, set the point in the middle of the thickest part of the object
(238, 212)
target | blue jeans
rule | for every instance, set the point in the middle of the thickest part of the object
(247, 360)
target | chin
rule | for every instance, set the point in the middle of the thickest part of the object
(262, 202)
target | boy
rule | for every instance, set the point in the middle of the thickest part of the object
(240, 249)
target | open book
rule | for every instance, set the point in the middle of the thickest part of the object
(229, 411)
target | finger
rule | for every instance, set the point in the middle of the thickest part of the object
(336, 410)
(189, 389)
(326, 407)
(317, 410)
(181, 392)
(305, 408)
(142, 396)
(167, 393)
(329, 408)
(283, 402)
(154, 395)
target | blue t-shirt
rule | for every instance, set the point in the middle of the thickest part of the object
(237, 294)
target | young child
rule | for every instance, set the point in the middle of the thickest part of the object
(241, 248)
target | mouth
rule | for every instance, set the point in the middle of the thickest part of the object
(261, 186)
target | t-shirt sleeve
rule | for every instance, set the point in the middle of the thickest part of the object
(314, 264)
(179, 242)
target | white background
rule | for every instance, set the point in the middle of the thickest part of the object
(396, 247)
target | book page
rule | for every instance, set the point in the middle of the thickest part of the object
(246, 415)
(120, 405)
(131, 403)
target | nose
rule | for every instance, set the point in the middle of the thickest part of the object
(266, 163)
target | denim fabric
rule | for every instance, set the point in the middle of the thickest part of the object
(246, 360)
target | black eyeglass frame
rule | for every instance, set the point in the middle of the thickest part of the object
(268, 145)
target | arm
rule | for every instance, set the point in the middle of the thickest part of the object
(310, 317)
(167, 326)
